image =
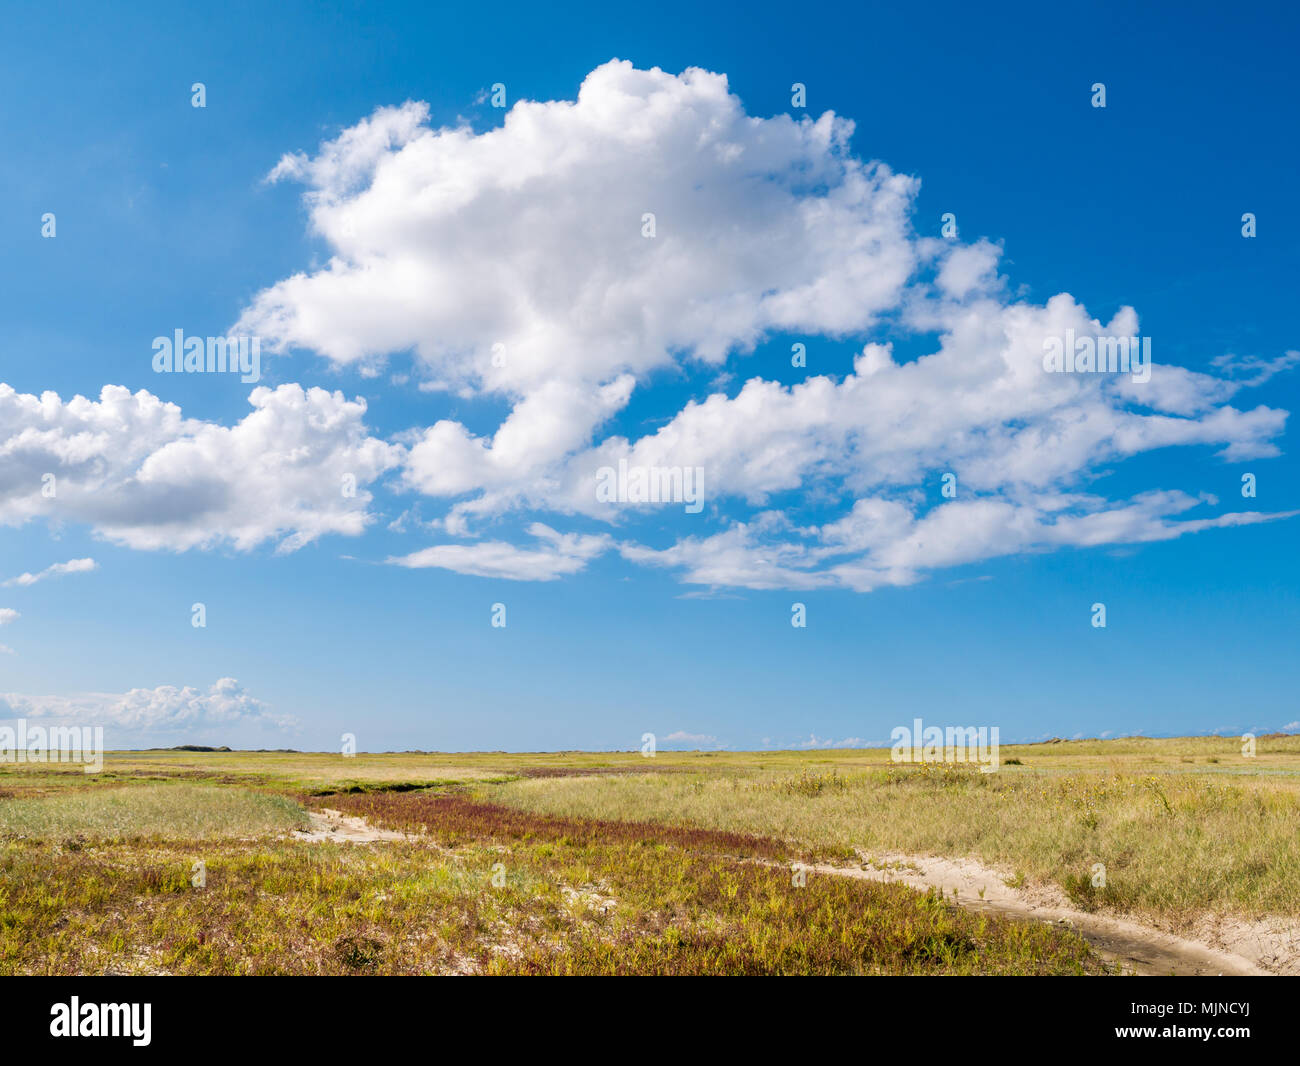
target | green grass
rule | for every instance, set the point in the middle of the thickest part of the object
(1174, 846)
(1278, 759)
(160, 811)
(615, 863)
(573, 897)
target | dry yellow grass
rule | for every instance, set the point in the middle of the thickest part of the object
(471, 888)
(172, 811)
(1182, 827)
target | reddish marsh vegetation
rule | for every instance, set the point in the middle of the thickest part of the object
(663, 899)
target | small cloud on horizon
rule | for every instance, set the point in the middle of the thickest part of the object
(682, 737)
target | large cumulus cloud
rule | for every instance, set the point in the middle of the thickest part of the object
(513, 262)
(143, 475)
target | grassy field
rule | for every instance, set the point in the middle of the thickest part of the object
(1176, 839)
(478, 888)
(151, 811)
(614, 863)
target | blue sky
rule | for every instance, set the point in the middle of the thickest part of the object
(330, 614)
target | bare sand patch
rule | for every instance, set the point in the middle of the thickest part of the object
(336, 827)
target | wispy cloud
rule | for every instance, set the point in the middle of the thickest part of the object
(814, 741)
(72, 566)
(682, 737)
(558, 555)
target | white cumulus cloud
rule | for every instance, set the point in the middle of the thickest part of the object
(143, 475)
(162, 709)
(515, 263)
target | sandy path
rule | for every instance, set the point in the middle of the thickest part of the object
(1225, 946)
